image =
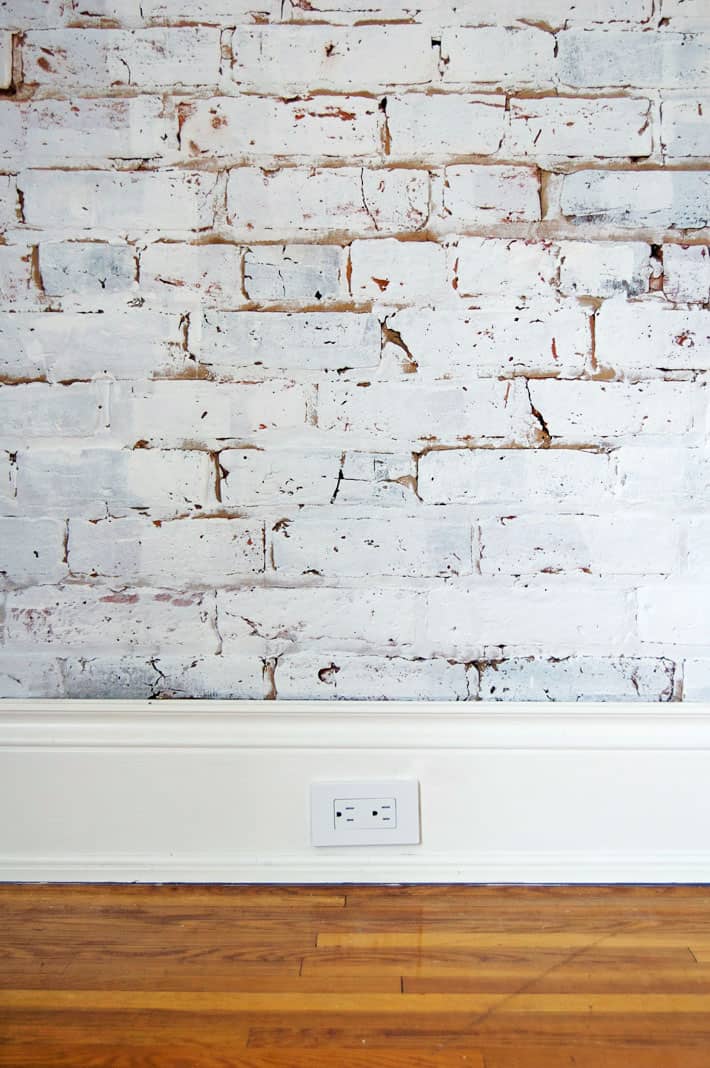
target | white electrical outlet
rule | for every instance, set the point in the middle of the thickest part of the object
(365, 813)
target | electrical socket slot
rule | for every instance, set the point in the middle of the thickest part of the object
(365, 813)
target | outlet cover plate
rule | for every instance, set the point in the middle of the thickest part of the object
(329, 829)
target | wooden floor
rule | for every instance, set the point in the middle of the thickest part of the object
(348, 977)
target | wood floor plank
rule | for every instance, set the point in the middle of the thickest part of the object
(693, 979)
(465, 1031)
(360, 1003)
(454, 938)
(452, 962)
(204, 1054)
(595, 1057)
(304, 977)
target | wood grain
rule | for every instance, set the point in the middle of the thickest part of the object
(289, 977)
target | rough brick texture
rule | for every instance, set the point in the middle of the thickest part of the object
(355, 350)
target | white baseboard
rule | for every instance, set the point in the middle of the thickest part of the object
(201, 791)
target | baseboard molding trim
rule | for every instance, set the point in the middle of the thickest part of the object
(169, 791)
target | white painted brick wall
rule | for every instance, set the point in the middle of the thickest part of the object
(95, 483)
(5, 60)
(651, 334)
(353, 547)
(654, 199)
(617, 58)
(181, 552)
(258, 126)
(571, 678)
(100, 200)
(684, 127)
(295, 203)
(183, 276)
(284, 60)
(9, 208)
(686, 273)
(102, 619)
(83, 346)
(562, 126)
(33, 551)
(227, 341)
(86, 268)
(67, 131)
(71, 59)
(304, 274)
(355, 349)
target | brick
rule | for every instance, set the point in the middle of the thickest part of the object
(556, 618)
(684, 128)
(256, 126)
(652, 335)
(601, 545)
(94, 483)
(481, 195)
(307, 273)
(293, 203)
(123, 12)
(186, 412)
(674, 612)
(584, 412)
(483, 410)
(92, 618)
(442, 343)
(69, 59)
(180, 554)
(272, 619)
(646, 60)
(580, 129)
(219, 11)
(86, 267)
(253, 476)
(185, 275)
(555, 12)
(5, 59)
(423, 126)
(686, 273)
(284, 59)
(39, 410)
(682, 13)
(698, 543)
(8, 480)
(657, 199)
(281, 340)
(386, 479)
(33, 551)
(497, 55)
(23, 676)
(361, 547)
(540, 480)
(673, 475)
(19, 15)
(45, 132)
(8, 201)
(344, 677)
(393, 271)
(494, 265)
(133, 344)
(577, 679)
(16, 286)
(604, 268)
(130, 202)
(696, 680)
(209, 677)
